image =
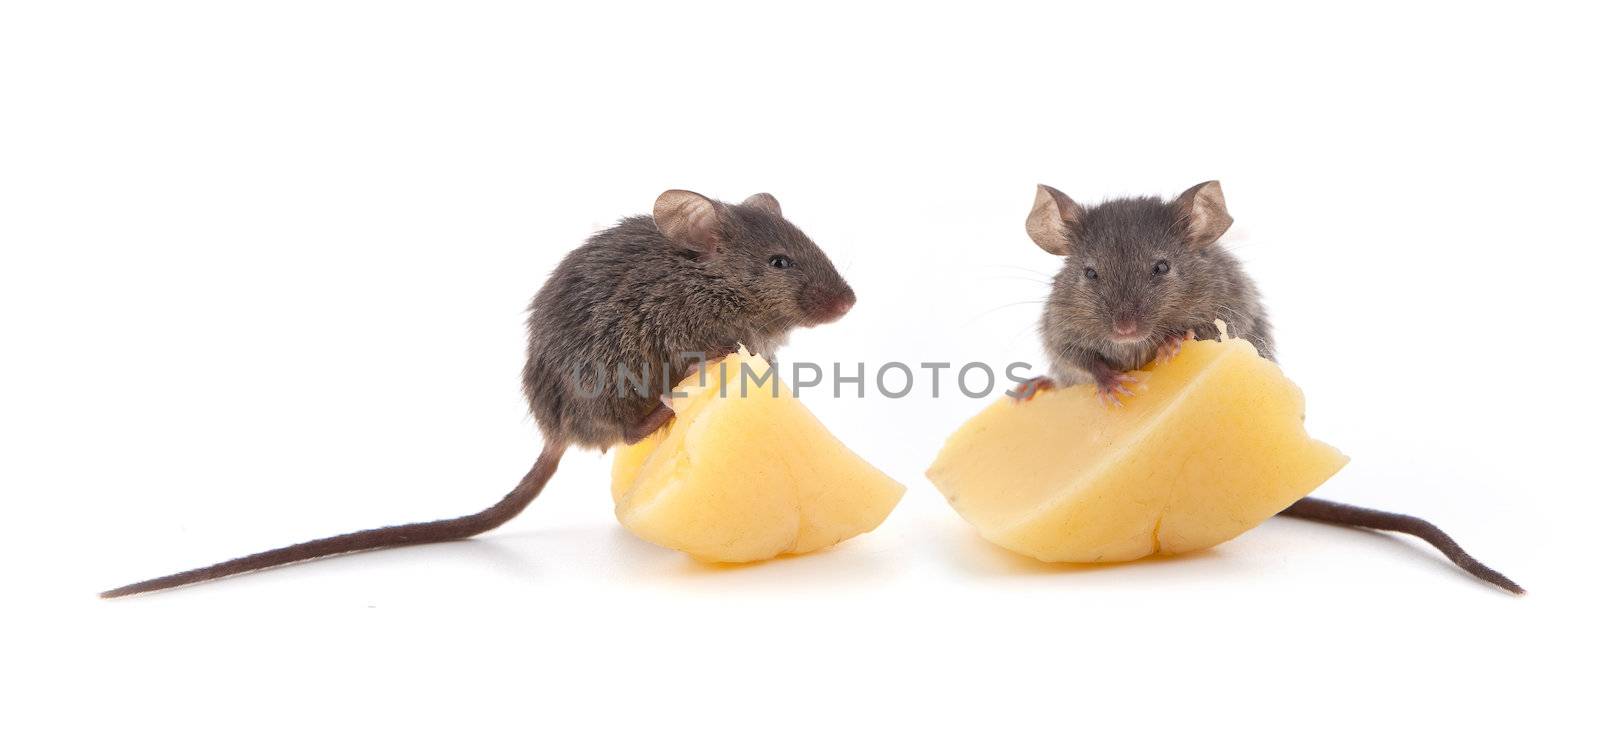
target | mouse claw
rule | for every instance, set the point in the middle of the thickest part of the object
(1030, 388)
(695, 372)
(1114, 386)
(1172, 345)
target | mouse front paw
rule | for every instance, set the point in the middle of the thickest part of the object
(1113, 385)
(697, 371)
(698, 365)
(1172, 345)
(1030, 388)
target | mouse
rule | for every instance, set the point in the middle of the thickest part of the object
(631, 312)
(1141, 276)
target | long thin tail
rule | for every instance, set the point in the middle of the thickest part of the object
(382, 537)
(1317, 509)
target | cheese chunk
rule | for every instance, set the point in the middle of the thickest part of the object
(1212, 444)
(746, 476)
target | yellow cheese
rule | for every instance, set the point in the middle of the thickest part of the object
(746, 476)
(1212, 444)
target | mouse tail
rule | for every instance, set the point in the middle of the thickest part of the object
(1317, 509)
(371, 539)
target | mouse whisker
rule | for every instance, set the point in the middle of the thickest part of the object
(1024, 269)
(999, 308)
(1019, 279)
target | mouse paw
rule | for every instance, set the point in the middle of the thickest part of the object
(1112, 386)
(1172, 345)
(652, 422)
(696, 371)
(1030, 388)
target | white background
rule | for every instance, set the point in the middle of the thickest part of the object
(264, 278)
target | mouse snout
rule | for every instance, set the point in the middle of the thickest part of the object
(1125, 326)
(846, 301)
(831, 306)
(841, 304)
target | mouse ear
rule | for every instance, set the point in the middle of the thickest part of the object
(765, 202)
(688, 219)
(1204, 213)
(1055, 221)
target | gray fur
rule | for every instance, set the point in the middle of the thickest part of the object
(631, 298)
(1123, 240)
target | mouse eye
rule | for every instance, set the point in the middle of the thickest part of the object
(780, 262)
(1089, 273)
(1161, 268)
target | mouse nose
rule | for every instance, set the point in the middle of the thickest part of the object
(1124, 326)
(842, 304)
(820, 305)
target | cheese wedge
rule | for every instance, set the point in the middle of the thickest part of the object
(746, 474)
(1212, 444)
